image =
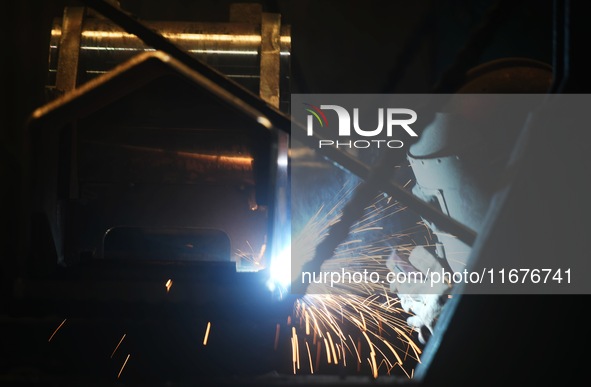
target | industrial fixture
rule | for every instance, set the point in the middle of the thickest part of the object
(134, 146)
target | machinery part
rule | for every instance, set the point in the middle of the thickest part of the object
(469, 55)
(270, 58)
(254, 54)
(252, 49)
(174, 244)
(179, 165)
(69, 40)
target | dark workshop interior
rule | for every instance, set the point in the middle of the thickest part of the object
(145, 188)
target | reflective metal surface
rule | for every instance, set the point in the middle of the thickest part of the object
(232, 48)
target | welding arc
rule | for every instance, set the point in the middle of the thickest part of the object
(451, 79)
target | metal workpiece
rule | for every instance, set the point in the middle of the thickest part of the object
(162, 163)
(236, 49)
(170, 143)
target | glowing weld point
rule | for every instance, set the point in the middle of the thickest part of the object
(283, 160)
(206, 333)
(280, 271)
(168, 285)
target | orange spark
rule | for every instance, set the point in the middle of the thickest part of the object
(277, 329)
(296, 350)
(334, 352)
(318, 350)
(310, 358)
(117, 347)
(206, 333)
(327, 351)
(123, 366)
(56, 329)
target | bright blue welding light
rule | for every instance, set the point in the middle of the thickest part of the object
(280, 270)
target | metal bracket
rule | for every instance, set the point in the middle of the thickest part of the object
(67, 69)
(270, 55)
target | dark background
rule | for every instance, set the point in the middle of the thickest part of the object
(344, 47)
